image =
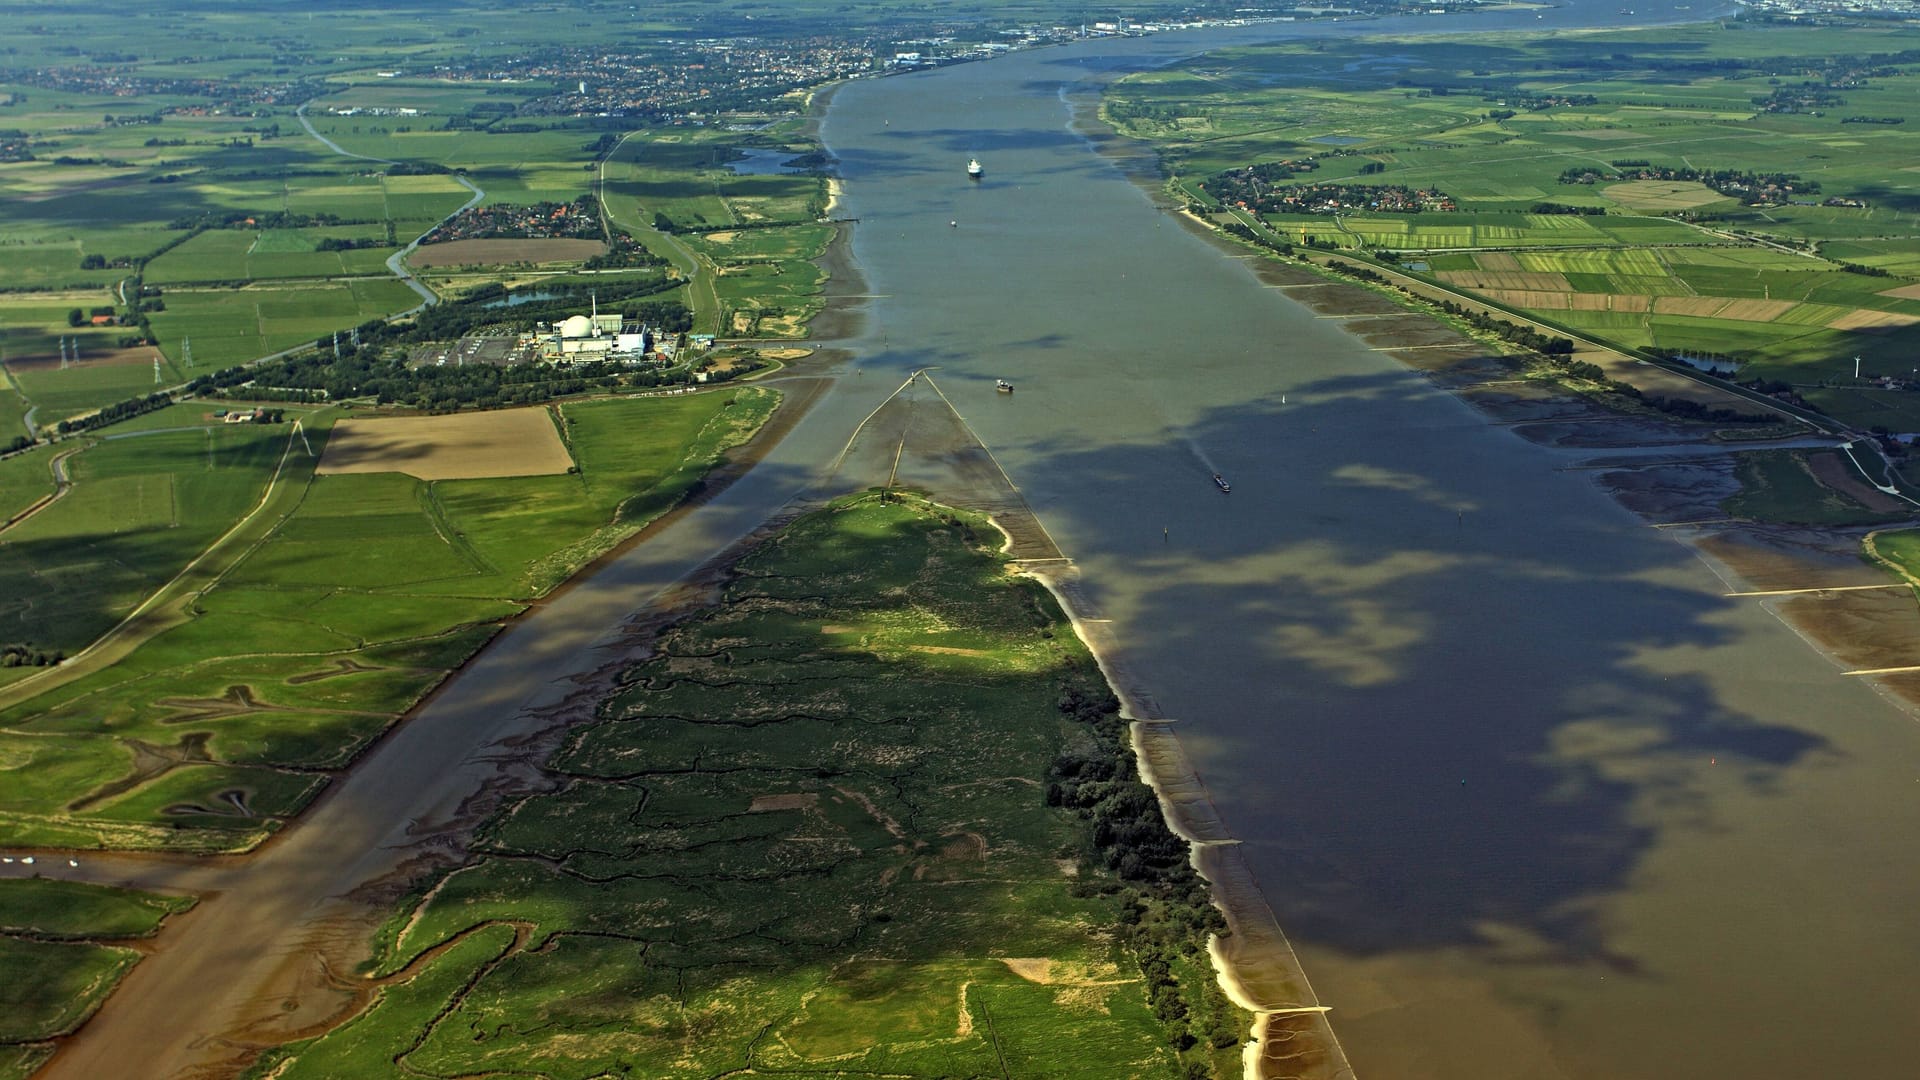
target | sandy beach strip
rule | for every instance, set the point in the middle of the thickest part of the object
(1254, 962)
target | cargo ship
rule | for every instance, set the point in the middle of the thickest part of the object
(1221, 483)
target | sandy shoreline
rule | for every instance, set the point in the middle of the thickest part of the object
(1254, 963)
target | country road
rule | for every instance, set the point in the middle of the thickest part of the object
(702, 297)
(396, 261)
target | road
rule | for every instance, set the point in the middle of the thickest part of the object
(164, 608)
(702, 296)
(61, 485)
(396, 261)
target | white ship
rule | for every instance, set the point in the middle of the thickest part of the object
(973, 168)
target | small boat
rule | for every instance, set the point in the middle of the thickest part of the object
(1221, 483)
(973, 168)
(1003, 386)
(953, 224)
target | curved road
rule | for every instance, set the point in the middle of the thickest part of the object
(702, 296)
(395, 262)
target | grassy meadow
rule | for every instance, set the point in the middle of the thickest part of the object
(1670, 267)
(1780, 486)
(820, 832)
(747, 241)
(220, 327)
(57, 957)
(192, 203)
(333, 609)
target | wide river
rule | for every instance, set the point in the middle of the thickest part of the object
(1531, 794)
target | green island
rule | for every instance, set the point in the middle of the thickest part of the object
(904, 773)
(59, 958)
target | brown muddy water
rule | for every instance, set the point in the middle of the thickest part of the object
(1531, 793)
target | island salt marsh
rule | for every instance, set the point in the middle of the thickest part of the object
(57, 960)
(830, 804)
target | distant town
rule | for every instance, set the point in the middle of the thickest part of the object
(671, 81)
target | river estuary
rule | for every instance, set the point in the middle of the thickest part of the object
(1530, 793)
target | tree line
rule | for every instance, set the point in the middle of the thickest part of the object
(1167, 909)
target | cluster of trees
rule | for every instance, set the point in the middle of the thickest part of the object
(1690, 410)
(1524, 336)
(266, 219)
(1244, 232)
(16, 444)
(1124, 109)
(1534, 102)
(1167, 910)
(1564, 208)
(1807, 97)
(362, 372)
(118, 411)
(16, 654)
(444, 322)
(1749, 187)
(15, 146)
(1251, 181)
(340, 243)
(622, 253)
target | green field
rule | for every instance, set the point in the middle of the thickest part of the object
(827, 830)
(24, 478)
(54, 968)
(13, 411)
(251, 254)
(1779, 486)
(139, 510)
(1671, 268)
(228, 326)
(754, 281)
(340, 603)
(768, 283)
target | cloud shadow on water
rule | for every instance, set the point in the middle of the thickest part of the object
(1422, 700)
